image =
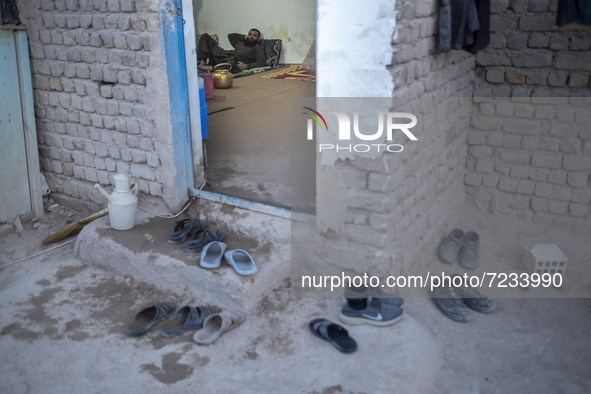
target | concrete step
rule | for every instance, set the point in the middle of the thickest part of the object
(279, 350)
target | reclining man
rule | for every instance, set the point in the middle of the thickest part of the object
(247, 52)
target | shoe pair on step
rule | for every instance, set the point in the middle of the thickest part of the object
(239, 259)
(195, 232)
(460, 247)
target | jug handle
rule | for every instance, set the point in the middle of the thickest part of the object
(136, 185)
(223, 64)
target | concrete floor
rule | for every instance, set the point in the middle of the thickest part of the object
(63, 317)
(250, 150)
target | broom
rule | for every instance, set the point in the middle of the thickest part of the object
(73, 228)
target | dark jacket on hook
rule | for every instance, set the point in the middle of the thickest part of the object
(577, 11)
(464, 25)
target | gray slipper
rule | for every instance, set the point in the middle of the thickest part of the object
(149, 316)
(216, 324)
(187, 318)
(449, 248)
(212, 254)
(241, 261)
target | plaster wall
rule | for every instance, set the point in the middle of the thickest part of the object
(354, 47)
(372, 207)
(293, 21)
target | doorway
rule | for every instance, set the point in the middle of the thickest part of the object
(250, 154)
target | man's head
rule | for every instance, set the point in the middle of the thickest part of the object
(253, 37)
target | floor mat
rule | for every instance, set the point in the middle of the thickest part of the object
(293, 72)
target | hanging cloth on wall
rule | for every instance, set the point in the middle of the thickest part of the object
(9, 13)
(444, 20)
(468, 21)
(573, 11)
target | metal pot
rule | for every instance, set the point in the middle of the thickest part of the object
(222, 79)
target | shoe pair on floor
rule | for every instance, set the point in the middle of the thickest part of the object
(460, 247)
(239, 259)
(195, 232)
(209, 321)
(210, 244)
(456, 301)
(359, 308)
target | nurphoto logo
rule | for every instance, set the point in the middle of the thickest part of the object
(392, 122)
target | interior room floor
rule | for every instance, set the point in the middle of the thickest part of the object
(249, 148)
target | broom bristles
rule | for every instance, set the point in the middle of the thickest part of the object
(73, 228)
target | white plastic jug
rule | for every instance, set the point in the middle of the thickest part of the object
(122, 202)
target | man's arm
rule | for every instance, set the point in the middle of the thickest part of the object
(235, 38)
(260, 58)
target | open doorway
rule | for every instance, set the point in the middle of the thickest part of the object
(249, 147)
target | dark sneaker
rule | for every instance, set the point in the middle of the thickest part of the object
(375, 313)
(449, 248)
(474, 300)
(470, 250)
(373, 292)
(450, 303)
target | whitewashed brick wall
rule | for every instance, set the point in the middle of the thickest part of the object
(531, 158)
(529, 55)
(97, 102)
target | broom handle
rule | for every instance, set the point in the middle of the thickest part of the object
(97, 215)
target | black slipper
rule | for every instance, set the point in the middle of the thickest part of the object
(334, 333)
(184, 229)
(202, 238)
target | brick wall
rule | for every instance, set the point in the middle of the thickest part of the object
(432, 184)
(531, 157)
(385, 209)
(97, 78)
(529, 55)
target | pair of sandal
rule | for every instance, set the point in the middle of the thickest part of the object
(213, 253)
(196, 232)
(187, 318)
(209, 321)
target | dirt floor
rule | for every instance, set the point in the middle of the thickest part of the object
(62, 325)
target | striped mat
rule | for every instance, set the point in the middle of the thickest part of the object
(292, 72)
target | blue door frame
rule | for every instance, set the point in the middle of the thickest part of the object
(171, 21)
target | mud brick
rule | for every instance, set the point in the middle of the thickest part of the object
(543, 190)
(538, 40)
(532, 22)
(113, 5)
(526, 187)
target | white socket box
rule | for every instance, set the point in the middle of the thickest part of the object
(545, 258)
